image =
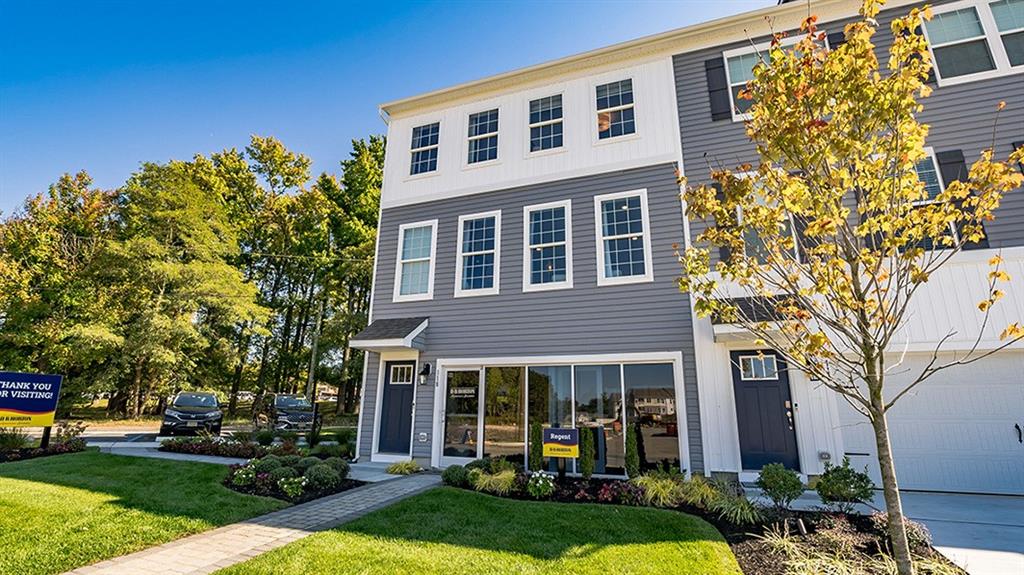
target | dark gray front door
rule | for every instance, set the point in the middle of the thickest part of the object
(396, 407)
(764, 410)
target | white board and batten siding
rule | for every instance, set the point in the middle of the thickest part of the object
(656, 139)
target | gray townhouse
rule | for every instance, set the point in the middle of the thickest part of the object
(526, 268)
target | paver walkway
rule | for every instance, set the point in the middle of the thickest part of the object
(225, 546)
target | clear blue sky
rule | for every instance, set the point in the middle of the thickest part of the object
(104, 85)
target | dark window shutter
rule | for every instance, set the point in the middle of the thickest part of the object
(724, 253)
(718, 89)
(836, 39)
(953, 167)
(1016, 146)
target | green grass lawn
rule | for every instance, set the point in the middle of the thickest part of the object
(449, 531)
(65, 511)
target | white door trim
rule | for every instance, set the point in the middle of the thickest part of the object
(375, 456)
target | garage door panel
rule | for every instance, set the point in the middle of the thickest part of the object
(954, 432)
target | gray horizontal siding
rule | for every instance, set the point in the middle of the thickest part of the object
(961, 118)
(586, 319)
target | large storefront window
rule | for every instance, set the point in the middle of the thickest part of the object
(461, 414)
(599, 411)
(550, 401)
(504, 412)
(651, 413)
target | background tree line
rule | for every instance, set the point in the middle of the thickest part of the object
(236, 271)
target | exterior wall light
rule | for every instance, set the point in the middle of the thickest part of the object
(424, 373)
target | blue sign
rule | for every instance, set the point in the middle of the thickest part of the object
(561, 442)
(28, 399)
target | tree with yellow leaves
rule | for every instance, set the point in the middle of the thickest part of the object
(838, 140)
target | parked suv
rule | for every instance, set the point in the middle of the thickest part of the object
(285, 412)
(191, 412)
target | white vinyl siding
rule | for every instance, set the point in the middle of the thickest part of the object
(414, 277)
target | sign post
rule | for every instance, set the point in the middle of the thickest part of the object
(29, 400)
(561, 444)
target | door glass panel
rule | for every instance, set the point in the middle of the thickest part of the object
(651, 413)
(599, 410)
(504, 413)
(551, 400)
(461, 414)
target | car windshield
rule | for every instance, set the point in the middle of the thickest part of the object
(195, 400)
(292, 402)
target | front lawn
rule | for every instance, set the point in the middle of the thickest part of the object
(66, 511)
(450, 531)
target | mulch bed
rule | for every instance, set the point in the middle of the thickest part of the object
(23, 454)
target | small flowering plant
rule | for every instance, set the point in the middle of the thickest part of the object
(541, 485)
(292, 486)
(244, 475)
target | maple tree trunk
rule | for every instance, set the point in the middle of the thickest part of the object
(891, 492)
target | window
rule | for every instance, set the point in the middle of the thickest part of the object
(615, 110)
(623, 240)
(928, 172)
(478, 263)
(424, 148)
(547, 263)
(1009, 16)
(401, 374)
(753, 245)
(414, 277)
(973, 40)
(758, 367)
(483, 136)
(740, 70)
(546, 123)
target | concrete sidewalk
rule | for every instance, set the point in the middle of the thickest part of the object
(225, 546)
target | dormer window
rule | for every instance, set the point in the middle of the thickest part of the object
(615, 109)
(424, 148)
(483, 136)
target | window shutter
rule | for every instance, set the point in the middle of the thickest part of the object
(1016, 146)
(718, 89)
(836, 39)
(953, 167)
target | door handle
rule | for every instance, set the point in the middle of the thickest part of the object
(1020, 433)
(789, 416)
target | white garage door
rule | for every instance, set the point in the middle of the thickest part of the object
(959, 431)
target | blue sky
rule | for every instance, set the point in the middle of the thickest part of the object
(105, 85)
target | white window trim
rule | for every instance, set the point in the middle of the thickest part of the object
(930, 153)
(762, 47)
(493, 290)
(397, 295)
(602, 279)
(567, 284)
(529, 127)
(412, 151)
(595, 132)
(412, 374)
(760, 358)
(993, 39)
(466, 164)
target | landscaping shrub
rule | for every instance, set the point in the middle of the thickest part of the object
(67, 431)
(660, 490)
(290, 460)
(344, 435)
(313, 437)
(292, 487)
(541, 485)
(289, 437)
(216, 447)
(13, 439)
(242, 436)
(917, 534)
(493, 465)
(404, 468)
(243, 475)
(339, 465)
(736, 509)
(500, 483)
(841, 487)
(267, 464)
(306, 462)
(835, 534)
(321, 477)
(279, 473)
(621, 492)
(698, 492)
(325, 451)
(632, 453)
(264, 437)
(456, 476)
(782, 486)
(586, 459)
(536, 447)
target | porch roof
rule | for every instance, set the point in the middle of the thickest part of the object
(391, 334)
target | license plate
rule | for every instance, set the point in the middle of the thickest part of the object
(191, 424)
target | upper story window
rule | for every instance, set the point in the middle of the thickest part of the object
(623, 242)
(547, 263)
(483, 136)
(976, 40)
(414, 272)
(740, 70)
(928, 172)
(615, 114)
(424, 148)
(753, 244)
(478, 258)
(546, 123)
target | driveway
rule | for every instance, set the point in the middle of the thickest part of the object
(984, 534)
